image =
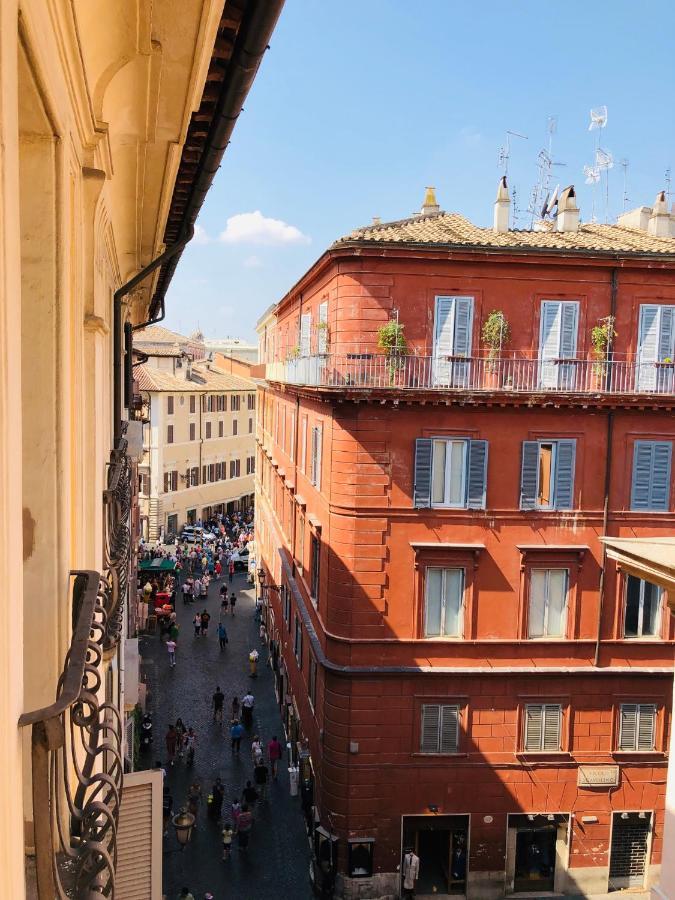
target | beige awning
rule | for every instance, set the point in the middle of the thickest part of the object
(652, 559)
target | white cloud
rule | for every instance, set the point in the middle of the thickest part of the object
(201, 237)
(253, 262)
(254, 228)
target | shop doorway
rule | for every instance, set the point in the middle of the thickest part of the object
(191, 516)
(630, 850)
(442, 844)
(172, 524)
(536, 853)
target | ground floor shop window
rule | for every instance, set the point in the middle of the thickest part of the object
(631, 833)
(361, 858)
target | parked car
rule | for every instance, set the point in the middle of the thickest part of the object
(192, 534)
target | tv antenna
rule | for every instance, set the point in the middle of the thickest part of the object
(624, 165)
(505, 150)
(667, 179)
(603, 160)
(541, 203)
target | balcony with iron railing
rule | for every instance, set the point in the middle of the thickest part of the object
(76, 743)
(510, 373)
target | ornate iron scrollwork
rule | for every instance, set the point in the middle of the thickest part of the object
(117, 540)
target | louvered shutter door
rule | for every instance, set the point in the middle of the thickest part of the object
(648, 346)
(568, 335)
(430, 727)
(319, 443)
(166, 482)
(659, 489)
(666, 334)
(528, 475)
(449, 729)
(564, 474)
(552, 721)
(477, 479)
(646, 727)
(422, 485)
(462, 340)
(323, 321)
(443, 338)
(533, 727)
(643, 456)
(628, 731)
(549, 342)
(305, 333)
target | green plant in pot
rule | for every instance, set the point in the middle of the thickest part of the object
(602, 338)
(495, 334)
(392, 342)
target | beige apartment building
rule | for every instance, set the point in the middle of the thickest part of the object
(198, 436)
(113, 121)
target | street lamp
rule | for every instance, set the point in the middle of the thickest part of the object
(183, 823)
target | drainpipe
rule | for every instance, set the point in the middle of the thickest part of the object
(608, 476)
(295, 478)
(119, 296)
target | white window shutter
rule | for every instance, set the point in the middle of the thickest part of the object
(449, 729)
(431, 715)
(568, 330)
(628, 726)
(443, 338)
(646, 731)
(549, 342)
(648, 346)
(534, 725)
(552, 723)
(322, 342)
(305, 333)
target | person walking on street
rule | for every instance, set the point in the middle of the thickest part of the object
(174, 631)
(171, 648)
(194, 798)
(236, 812)
(236, 734)
(236, 708)
(218, 570)
(197, 622)
(249, 795)
(217, 705)
(171, 740)
(222, 635)
(247, 709)
(253, 663)
(233, 602)
(180, 737)
(274, 751)
(186, 588)
(227, 840)
(216, 799)
(260, 774)
(245, 825)
(256, 749)
(205, 619)
(196, 588)
(230, 571)
(190, 744)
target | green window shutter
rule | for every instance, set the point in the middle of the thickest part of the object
(564, 474)
(528, 475)
(422, 485)
(477, 475)
(431, 715)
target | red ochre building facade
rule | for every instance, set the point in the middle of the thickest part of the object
(457, 673)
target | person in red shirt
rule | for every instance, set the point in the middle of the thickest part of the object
(274, 751)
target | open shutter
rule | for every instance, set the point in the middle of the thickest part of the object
(533, 727)
(568, 331)
(643, 456)
(648, 346)
(305, 333)
(659, 489)
(552, 722)
(477, 477)
(166, 482)
(667, 333)
(549, 342)
(422, 485)
(564, 474)
(431, 715)
(443, 338)
(628, 730)
(646, 726)
(449, 729)
(528, 475)
(319, 441)
(462, 340)
(322, 343)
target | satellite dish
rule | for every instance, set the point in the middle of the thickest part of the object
(542, 214)
(553, 201)
(598, 118)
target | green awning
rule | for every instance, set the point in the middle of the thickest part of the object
(157, 565)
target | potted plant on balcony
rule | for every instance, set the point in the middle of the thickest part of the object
(323, 338)
(495, 334)
(392, 342)
(602, 338)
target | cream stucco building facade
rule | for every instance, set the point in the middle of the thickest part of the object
(113, 119)
(198, 436)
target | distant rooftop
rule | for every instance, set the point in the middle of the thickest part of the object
(204, 376)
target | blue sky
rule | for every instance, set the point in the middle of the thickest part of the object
(359, 105)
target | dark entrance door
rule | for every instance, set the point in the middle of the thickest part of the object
(628, 860)
(441, 842)
(535, 859)
(172, 524)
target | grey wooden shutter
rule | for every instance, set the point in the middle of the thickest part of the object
(477, 476)
(552, 722)
(628, 726)
(431, 715)
(534, 724)
(659, 489)
(462, 330)
(422, 485)
(449, 729)
(528, 475)
(648, 346)
(666, 334)
(646, 726)
(319, 443)
(166, 482)
(568, 331)
(564, 474)
(443, 338)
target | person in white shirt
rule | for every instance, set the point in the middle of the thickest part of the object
(411, 872)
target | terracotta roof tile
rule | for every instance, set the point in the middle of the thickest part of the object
(451, 229)
(203, 379)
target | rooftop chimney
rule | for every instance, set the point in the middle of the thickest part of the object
(430, 207)
(659, 222)
(568, 211)
(377, 220)
(502, 207)
(635, 218)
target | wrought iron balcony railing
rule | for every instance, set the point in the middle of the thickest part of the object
(517, 373)
(77, 762)
(117, 540)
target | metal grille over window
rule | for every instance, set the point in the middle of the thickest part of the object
(628, 858)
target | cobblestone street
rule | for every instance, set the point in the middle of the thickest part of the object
(276, 864)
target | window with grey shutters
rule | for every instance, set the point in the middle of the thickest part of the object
(543, 723)
(656, 344)
(450, 472)
(547, 474)
(559, 324)
(439, 730)
(452, 341)
(637, 726)
(650, 489)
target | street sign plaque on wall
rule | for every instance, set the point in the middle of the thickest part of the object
(598, 776)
